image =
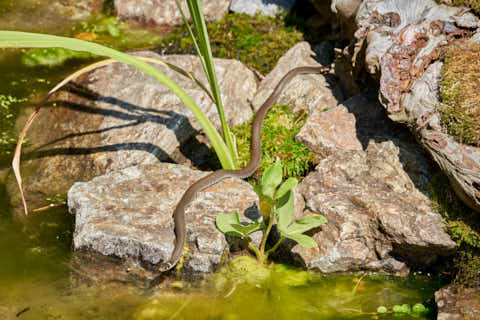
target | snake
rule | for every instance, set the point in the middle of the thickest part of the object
(219, 175)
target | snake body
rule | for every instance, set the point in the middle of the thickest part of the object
(214, 177)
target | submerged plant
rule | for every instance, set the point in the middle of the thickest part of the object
(278, 200)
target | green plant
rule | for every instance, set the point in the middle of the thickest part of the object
(279, 198)
(223, 147)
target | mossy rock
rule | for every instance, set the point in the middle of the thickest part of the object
(460, 92)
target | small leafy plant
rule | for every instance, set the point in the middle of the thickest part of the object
(277, 200)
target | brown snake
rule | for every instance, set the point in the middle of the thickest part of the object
(214, 177)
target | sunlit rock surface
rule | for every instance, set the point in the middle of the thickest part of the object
(306, 91)
(265, 7)
(116, 117)
(164, 13)
(128, 214)
(371, 185)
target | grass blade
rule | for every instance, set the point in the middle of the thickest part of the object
(196, 12)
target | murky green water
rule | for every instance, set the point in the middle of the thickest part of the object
(35, 255)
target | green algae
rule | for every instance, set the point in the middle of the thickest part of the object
(280, 292)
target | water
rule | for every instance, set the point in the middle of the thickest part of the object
(35, 255)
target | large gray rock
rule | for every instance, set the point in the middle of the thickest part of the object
(264, 7)
(402, 41)
(128, 214)
(371, 186)
(116, 117)
(164, 13)
(307, 91)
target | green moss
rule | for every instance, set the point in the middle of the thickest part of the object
(256, 41)
(460, 92)
(279, 130)
(463, 225)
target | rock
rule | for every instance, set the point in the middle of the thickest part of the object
(128, 214)
(371, 186)
(402, 42)
(456, 303)
(308, 91)
(265, 7)
(76, 10)
(164, 13)
(346, 11)
(116, 117)
(53, 17)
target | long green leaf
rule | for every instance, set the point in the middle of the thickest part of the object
(15, 39)
(196, 12)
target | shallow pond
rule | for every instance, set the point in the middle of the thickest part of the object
(35, 273)
(35, 255)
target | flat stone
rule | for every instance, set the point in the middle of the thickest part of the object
(306, 91)
(164, 13)
(264, 7)
(128, 214)
(116, 116)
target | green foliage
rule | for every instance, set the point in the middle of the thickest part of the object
(281, 210)
(463, 225)
(256, 41)
(278, 140)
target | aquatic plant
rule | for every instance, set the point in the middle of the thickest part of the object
(277, 200)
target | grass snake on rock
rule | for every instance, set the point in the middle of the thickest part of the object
(216, 176)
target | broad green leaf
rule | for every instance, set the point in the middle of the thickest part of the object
(285, 187)
(268, 191)
(285, 206)
(225, 223)
(309, 222)
(273, 174)
(303, 240)
(246, 230)
(16, 39)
